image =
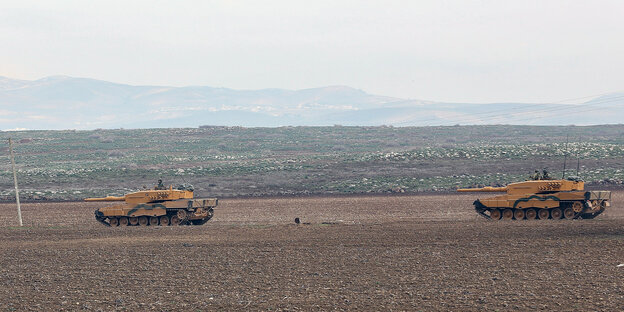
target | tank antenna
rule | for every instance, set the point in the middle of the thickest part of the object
(565, 157)
(578, 160)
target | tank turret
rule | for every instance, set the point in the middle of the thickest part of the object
(533, 186)
(159, 206)
(148, 196)
(546, 199)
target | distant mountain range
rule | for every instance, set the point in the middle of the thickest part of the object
(61, 102)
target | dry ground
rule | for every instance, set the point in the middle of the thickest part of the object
(358, 253)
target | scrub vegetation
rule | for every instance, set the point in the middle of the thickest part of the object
(237, 161)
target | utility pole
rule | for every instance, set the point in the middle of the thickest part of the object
(19, 210)
(565, 157)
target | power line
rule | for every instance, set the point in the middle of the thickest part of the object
(552, 109)
(580, 109)
(497, 114)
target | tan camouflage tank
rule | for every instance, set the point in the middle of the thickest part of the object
(159, 206)
(543, 199)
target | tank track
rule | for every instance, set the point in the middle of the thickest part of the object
(480, 209)
(99, 216)
(170, 219)
(586, 213)
(591, 215)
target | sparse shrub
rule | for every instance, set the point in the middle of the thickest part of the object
(116, 154)
(252, 144)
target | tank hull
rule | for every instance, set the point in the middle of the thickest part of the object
(167, 212)
(551, 205)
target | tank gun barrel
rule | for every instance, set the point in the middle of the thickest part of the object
(107, 198)
(484, 189)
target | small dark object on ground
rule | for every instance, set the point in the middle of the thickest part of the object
(298, 221)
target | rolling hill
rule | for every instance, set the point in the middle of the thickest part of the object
(61, 102)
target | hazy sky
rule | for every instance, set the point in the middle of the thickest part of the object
(472, 51)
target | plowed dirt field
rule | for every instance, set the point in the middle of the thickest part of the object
(357, 253)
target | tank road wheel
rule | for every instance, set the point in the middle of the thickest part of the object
(507, 214)
(568, 213)
(495, 214)
(134, 220)
(113, 221)
(175, 220)
(543, 214)
(519, 214)
(182, 215)
(143, 221)
(164, 220)
(594, 205)
(577, 207)
(556, 213)
(531, 214)
(153, 220)
(604, 204)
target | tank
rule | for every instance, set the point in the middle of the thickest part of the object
(158, 206)
(542, 199)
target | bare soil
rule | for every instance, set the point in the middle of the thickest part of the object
(428, 252)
